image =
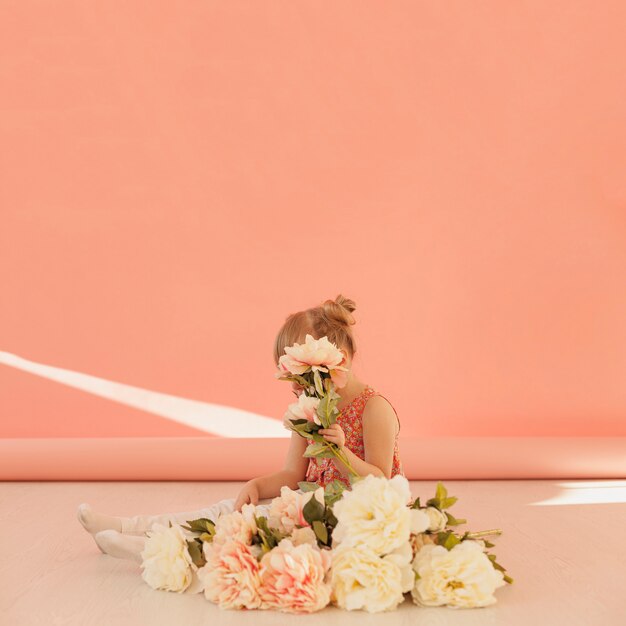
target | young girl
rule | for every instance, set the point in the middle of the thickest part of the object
(366, 429)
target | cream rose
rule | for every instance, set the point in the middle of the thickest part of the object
(375, 512)
(166, 562)
(462, 577)
(437, 519)
(361, 579)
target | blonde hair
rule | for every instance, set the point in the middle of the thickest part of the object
(332, 318)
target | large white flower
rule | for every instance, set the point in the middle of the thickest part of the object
(462, 577)
(375, 512)
(166, 563)
(361, 579)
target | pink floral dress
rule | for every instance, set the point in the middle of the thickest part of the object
(324, 471)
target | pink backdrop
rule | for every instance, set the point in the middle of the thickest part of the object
(176, 178)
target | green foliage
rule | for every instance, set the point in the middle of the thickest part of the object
(453, 521)
(447, 539)
(441, 499)
(202, 525)
(307, 485)
(319, 450)
(333, 491)
(195, 551)
(321, 532)
(313, 510)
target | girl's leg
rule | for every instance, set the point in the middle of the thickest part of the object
(129, 545)
(139, 524)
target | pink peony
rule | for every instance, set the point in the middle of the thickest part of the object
(293, 578)
(236, 525)
(285, 511)
(314, 354)
(231, 575)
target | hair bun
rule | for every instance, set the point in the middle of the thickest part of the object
(340, 310)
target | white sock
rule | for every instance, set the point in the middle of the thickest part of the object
(119, 545)
(95, 522)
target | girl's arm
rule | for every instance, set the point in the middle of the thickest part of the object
(379, 432)
(294, 471)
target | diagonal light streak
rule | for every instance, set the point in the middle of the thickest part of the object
(216, 419)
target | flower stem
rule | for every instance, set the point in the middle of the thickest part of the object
(484, 533)
(342, 457)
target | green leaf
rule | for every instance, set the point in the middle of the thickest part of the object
(318, 450)
(307, 485)
(488, 544)
(447, 539)
(453, 521)
(202, 524)
(313, 510)
(320, 531)
(447, 502)
(441, 492)
(319, 386)
(195, 551)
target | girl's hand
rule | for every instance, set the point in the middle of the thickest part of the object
(334, 434)
(249, 494)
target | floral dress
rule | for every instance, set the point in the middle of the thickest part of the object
(324, 471)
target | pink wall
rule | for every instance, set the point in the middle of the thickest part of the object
(169, 170)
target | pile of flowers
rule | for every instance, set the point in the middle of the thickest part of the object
(359, 548)
(364, 547)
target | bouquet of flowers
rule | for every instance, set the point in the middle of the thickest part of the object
(318, 366)
(359, 548)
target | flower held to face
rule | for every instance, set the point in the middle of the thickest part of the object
(314, 354)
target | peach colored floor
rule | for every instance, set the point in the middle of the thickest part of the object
(563, 543)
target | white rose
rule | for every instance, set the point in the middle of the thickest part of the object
(361, 579)
(167, 564)
(437, 519)
(375, 512)
(462, 577)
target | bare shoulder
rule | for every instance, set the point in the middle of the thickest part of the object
(379, 410)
